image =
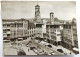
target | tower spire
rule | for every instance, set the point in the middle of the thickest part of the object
(37, 13)
(37, 2)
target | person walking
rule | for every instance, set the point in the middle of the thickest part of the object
(43, 50)
(28, 50)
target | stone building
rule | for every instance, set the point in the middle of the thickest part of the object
(37, 14)
(74, 28)
(51, 18)
(67, 36)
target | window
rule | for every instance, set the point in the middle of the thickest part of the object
(30, 31)
(4, 25)
(58, 34)
(54, 26)
(25, 25)
(25, 31)
(4, 31)
(69, 27)
(46, 26)
(8, 29)
(8, 25)
(50, 26)
(57, 26)
(8, 34)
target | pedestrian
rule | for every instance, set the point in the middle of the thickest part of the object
(28, 50)
(65, 53)
(37, 46)
(70, 52)
(43, 50)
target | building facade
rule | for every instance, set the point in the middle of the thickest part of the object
(67, 36)
(74, 28)
(15, 28)
(54, 34)
(39, 30)
(31, 30)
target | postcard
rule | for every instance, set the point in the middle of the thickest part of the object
(39, 28)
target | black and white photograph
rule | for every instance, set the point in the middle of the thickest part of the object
(39, 28)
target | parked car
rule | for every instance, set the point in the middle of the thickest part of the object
(27, 45)
(21, 52)
(13, 43)
(75, 50)
(60, 50)
(30, 41)
(49, 46)
(31, 48)
(41, 53)
(45, 53)
(6, 41)
(20, 39)
(42, 42)
(52, 53)
(38, 47)
(35, 50)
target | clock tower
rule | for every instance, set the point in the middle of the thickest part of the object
(37, 13)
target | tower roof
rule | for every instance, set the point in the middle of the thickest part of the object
(37, 5)
(51, 13)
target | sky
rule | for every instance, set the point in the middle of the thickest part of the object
(65, 10)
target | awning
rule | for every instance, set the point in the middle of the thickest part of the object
(76, 49)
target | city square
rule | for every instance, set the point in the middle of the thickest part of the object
(39, 36)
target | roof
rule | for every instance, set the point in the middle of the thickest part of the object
(37, 5)
(55, 24)
(22, 19)
(39, 23)
(51, 13)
